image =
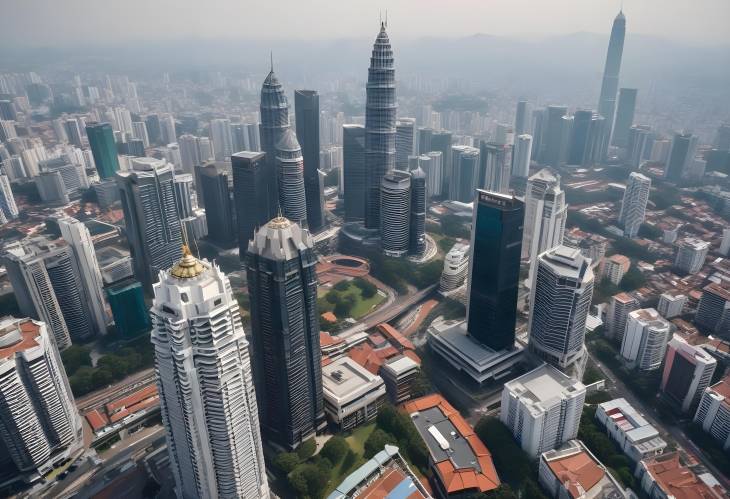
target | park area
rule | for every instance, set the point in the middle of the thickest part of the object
(350, 298)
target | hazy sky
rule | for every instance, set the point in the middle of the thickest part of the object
(43, 22)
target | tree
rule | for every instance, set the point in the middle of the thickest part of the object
(649, 231)
(512, 463)
(75, 357)
(335, 449)
(81, 382)
(343, 285)
(377, 441)
(307, 449)
(349, 461)
(367, 288)
(286, 461)
(115, 364)
(333, 297)
(453, 226)
(309, 480)
(344, 307)
(632, 279)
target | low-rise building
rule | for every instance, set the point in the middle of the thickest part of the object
(664, 477)
(636, 437)
(573, 472)
(688, 370)
(460, 462)
(713, 412)
(399, 375)
(385, 475)
(352, 394)
(614, 268)
(542, 409)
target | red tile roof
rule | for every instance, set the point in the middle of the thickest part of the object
(96, 420)
(131, 399)
(678, 481)
(395, 336)
(459, 479)
(577, 472)
(29, 331)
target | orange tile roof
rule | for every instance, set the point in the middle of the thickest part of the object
(577, 469)
(150, 402)
(326, 360)
(96, 420)
(365, 355)
(329, 317)
(394, 335)
(29, 331)
(413, 356)
(677, 481)
(453, 479)
(132, 399)
(326, 339)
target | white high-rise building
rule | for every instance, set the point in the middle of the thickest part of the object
(542, 409)
(713, 412)
(645, 339)
(691, 254)
(633, 207)
(521, 156)
(78, 237)
(688, 370)
(220, 134)
(456, 267)
(8, 208)
(725, 243)
(618, 313)
(139, 131)
(434, 172)
(545, 215)
(671, 305)
(561, 297)
(189, 152)
(40, 425)
(167, 129)
(206, 386)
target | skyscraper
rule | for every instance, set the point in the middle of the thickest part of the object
(579, 150)
(463, 183)
(34, 292)
(561, 297)
(645, 339)
(104, 149)
(380, 133)
(151, 218)
(638, 145)
(8, 208)
(523, 118)
(215, 187)
(442, 141)
(494, 269)
(713, 311)
(624, 116)
(189, 152)
(290, 171)
(274, 122)
(609, 86)
(73, 131)
(434, 173)
(545, 214)
(249, 195)
(395, 209)
(282, 285)
(554, 136)
(168, 129)
(40, 424)
(405, 135)
(306, 113)
(633, 206)
(688, 370)
(682, 152)
(417, 237)
(618, 312)
(521, 156)
(220, 135)
(354, 174)
(205, 382)
(495, 167)
(78, 237)
(68, 289)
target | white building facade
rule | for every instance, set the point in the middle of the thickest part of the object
(645, 339)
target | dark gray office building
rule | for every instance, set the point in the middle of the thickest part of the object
(249, 195)
(274, 122)
(215, 188)
(684, 146)
(579, 137)
(354, 175)
(494, 269)
(417, 238)
(380, 111)
(282, 285)
(306, 113)
(554, 136)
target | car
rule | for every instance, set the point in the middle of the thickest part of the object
(73, 467)
(63, 475)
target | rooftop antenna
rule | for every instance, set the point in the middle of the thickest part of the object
(380, 17)
(271, 55)
(386, 18)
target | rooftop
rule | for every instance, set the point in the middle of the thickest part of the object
(718, 290)
(344, 376)
(678, 481)
(580, 473)
(17, 335)
(461, 460)
(544, 386)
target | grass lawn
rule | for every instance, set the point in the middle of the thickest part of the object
(362, 306)
(356, 440)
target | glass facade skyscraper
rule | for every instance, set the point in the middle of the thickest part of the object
(306, 114)
(609, 86)
(494, 269)
(249, 195)
(380, 130)
(103, 148)
(274, 122)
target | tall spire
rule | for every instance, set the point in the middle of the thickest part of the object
(271, 55)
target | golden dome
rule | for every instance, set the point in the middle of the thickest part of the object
(279, 222)
(188, 266)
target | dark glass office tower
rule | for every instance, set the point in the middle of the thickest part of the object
(306, 113)
(554, 136)
(624, 116)
(609, 86)
(103, 148)
(282, 285)
(274, 122)
(579, 137)
(417, 237)
(154, 129)
(684, 146)
(249, 195)
(354, 175)
(380, 110)
(214, 185)
(494, 268)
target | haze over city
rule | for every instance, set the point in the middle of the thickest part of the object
(336, 249)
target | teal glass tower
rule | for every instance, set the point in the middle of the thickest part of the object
(103, 148)
(128, 308)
